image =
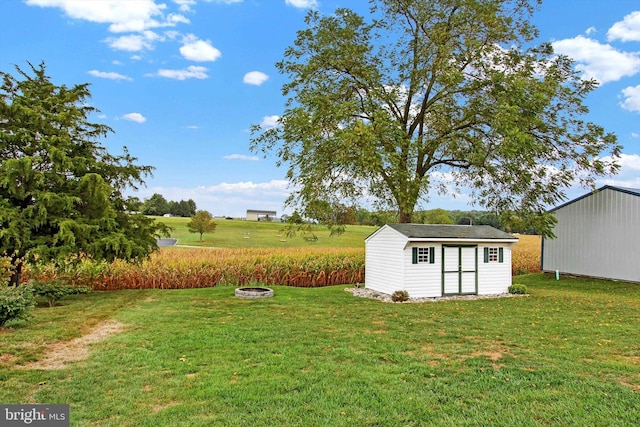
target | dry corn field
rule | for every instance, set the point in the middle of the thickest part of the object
(179, 268)
(526, 254)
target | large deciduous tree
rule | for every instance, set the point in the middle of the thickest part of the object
(155, 205)
(429, 94)
(60, 190)
(184, 208)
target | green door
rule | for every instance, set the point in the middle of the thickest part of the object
(459, 269)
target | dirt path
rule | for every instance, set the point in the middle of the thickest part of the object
(59, 353)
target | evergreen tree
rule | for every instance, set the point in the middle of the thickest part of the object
(60, 190)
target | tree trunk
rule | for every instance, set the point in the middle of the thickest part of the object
(405, 217)
(14, 280)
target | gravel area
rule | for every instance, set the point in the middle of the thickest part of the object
(371, 294)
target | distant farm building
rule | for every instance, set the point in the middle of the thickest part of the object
(597, 235)
(257, 215)
(438, 260)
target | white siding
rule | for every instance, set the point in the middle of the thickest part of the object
(384, 261)
(598, 235)
(494, 277)
(424, 279)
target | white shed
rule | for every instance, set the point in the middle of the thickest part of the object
(437, 260)
(597, 235)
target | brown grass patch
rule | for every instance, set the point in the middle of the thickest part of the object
(6, 359)
(161, 407)
(493, 352)
(493, 356)
(634, 387)
(429, 350)
(60, 353)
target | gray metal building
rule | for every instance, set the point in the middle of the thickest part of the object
(259, 215)
(597, 235)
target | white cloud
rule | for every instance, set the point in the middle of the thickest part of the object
(172, 34)
(630, 162)
(255, 78)
(135, 117)
(631, 100)
(629, 173)
(635, 135)
(302, 4)
(269, 122)
(192, 127)
(109, 75)
(273, 186)
(191, 72)
(626, 30)
(185, 5)
(241, 157)
(198, 50)
(122, 16)
(131, 43)
(598, 61)
(628, 183)
(224, 1)
(175, 18)
(590, 30)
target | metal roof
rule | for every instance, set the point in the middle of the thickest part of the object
(260, 212)
(627, 190)
(438, 231)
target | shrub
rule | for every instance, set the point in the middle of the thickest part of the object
(400, 296)
(6, 269)
(55, 290)
(15, 302)
(518, 289)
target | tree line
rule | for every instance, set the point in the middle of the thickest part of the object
(354, 215)
(157, 205)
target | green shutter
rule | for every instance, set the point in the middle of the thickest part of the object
(414, 255)
(432, 253)
(486, 255)
(500, 254)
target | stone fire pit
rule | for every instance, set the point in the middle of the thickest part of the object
(254, 292)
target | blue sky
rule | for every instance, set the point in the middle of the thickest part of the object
(181, 81)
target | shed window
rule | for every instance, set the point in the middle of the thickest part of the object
(423, 255)
(493, 255)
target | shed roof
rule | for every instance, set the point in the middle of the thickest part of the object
(627, 190)
(438, 231)
(257, 211)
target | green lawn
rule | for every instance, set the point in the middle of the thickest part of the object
(569, 354)
(238, 233)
